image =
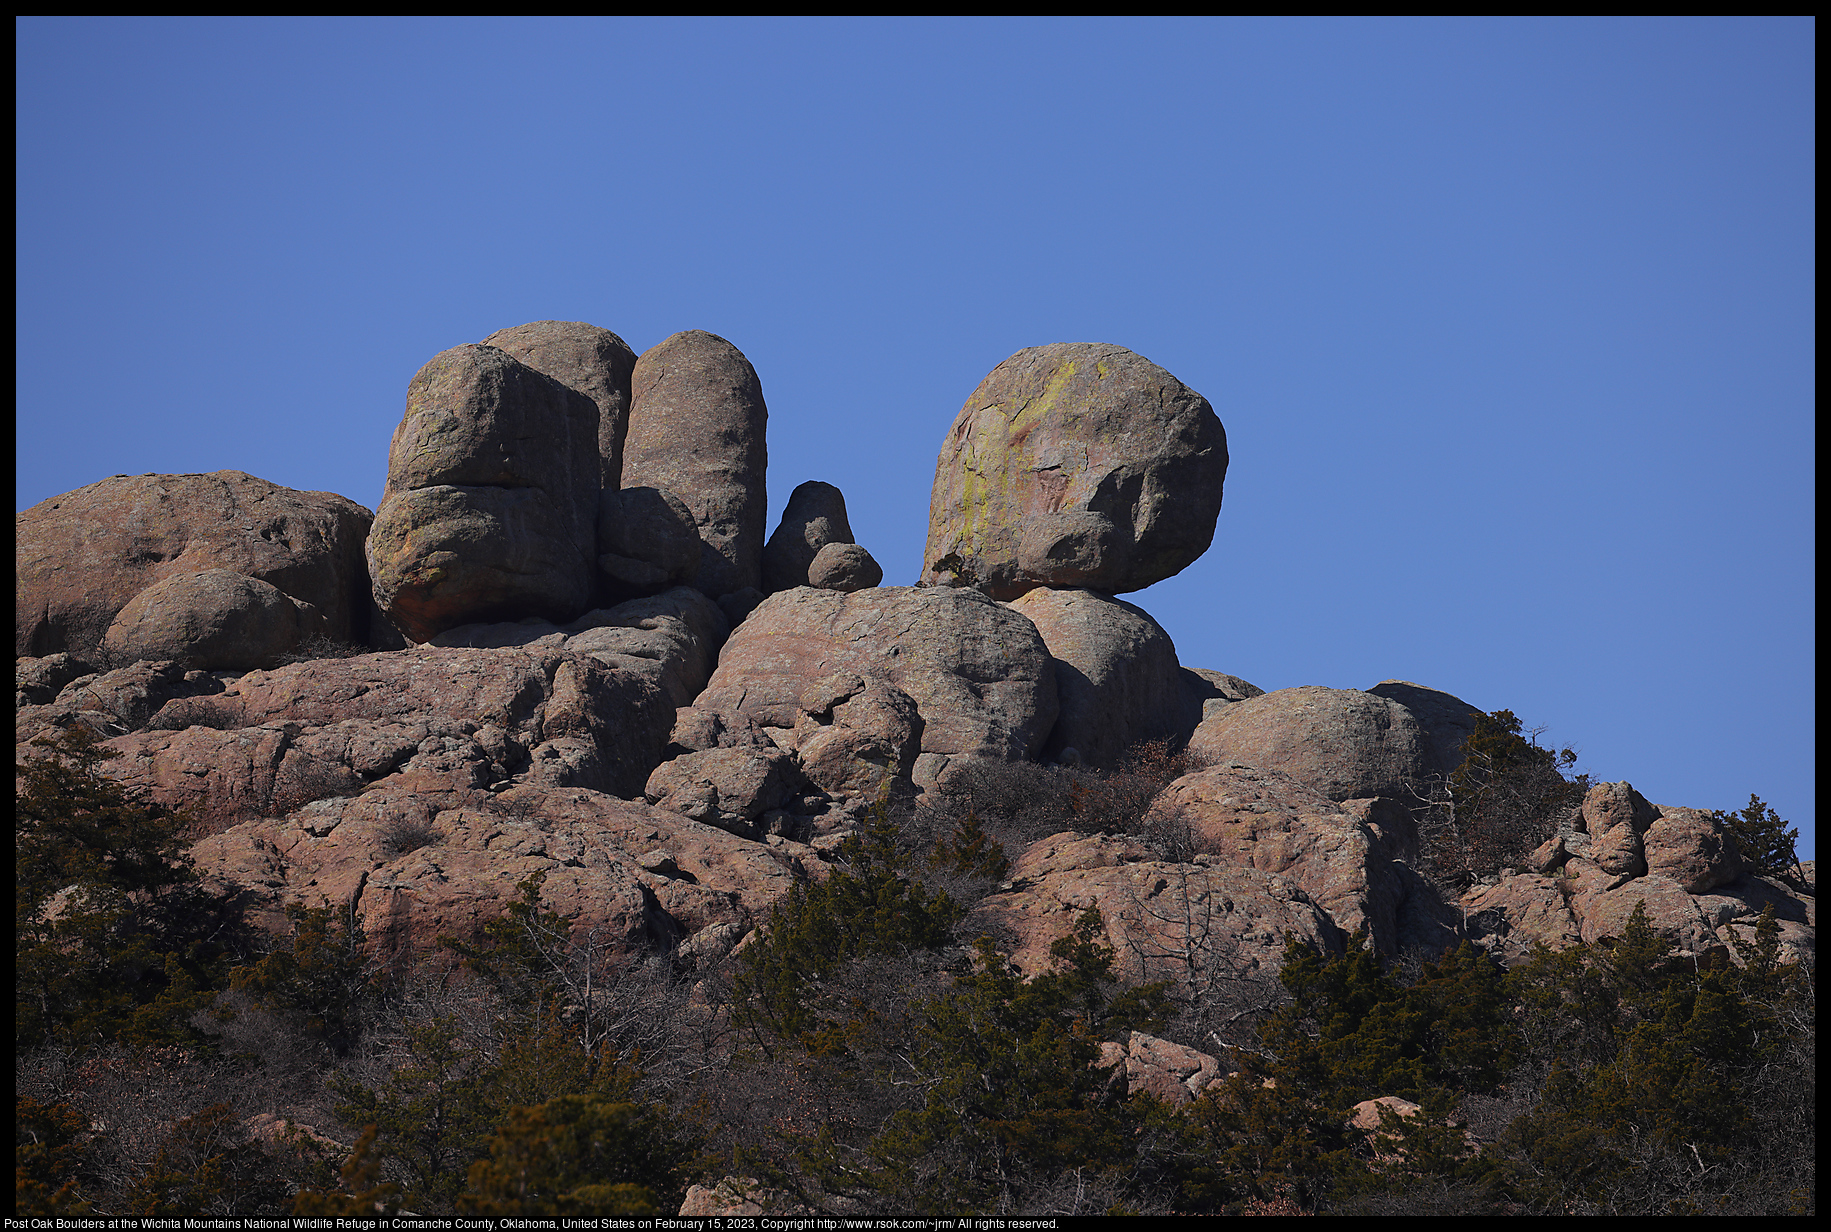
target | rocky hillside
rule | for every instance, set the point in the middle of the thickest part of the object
(561, 690)
(566, 619)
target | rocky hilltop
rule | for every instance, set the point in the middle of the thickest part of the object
(566, 644)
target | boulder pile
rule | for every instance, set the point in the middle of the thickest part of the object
(563, 644)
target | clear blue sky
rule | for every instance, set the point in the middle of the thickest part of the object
(1510, 321)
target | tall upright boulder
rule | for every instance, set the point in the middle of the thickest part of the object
(490, 509)
(1075, 465)
(698, 429)
(1116, 674)
(593, 361)
(79, 558)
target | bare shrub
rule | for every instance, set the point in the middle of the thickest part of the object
(304, 779)
(318, 647)
(185, 712)
(400, 835)
(520, 805)
(1019, 803)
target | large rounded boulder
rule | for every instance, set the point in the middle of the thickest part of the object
(698, 428)
(1341, 743)
(79, 558)
(490, 510)
(979, 674)
(1075, 465)
(217, 620)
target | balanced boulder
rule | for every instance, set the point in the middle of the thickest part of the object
(490, 510)
(697, 428)
(593, 361)
(844, 566)
(80, 557)
(1075, 465)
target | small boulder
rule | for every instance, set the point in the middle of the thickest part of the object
(731, 788)
(1616, 817)
(1342, 743)
(1688, 846)
(844, 567)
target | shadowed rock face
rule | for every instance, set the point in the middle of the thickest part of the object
(1075, 465)
(593, 361)
(79, 558)
(490, 510)
(815, 517)
(1448, 721)
(1116, 674)
(647, 543)
(697, 426)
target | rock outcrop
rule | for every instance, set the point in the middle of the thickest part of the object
(448, 720)
(1116, 675)
(979, 674)
(1201, 925)
(81, 557)
(619, 687)
(416, 868)
(1240, 816)
(814, 517)
(1075, 465)
(593, 361)
(1171, 1072)
(697, 426)
(670, 639)
(490, 509)
(1584, 883)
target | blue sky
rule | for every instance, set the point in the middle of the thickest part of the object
(1509, 321)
